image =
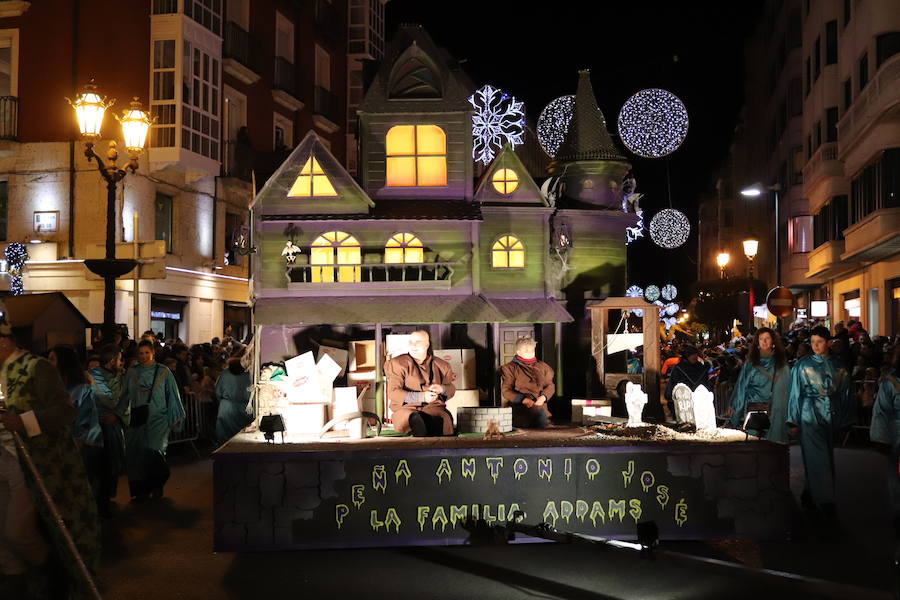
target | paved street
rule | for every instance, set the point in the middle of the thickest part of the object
(163, 551)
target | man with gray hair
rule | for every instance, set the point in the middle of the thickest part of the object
(527, 384)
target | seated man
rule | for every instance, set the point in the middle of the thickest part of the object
(527, 384)
(418, 385)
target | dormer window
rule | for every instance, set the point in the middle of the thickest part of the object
(505, 181)
(508, 252)
(416, 156)
(312, 181)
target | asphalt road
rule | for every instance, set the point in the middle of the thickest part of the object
(163, 550)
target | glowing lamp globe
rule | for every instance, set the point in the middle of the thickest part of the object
(751, 247)
(135, 126)
(89, 110)
(722, 259)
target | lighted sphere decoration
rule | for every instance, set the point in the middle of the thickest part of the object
(496, 121)
(651, 293)
(634, 291)
(671, 309)
(553, 124)
(16, 255)
(653, 123)
(669, 228)
(669, 292)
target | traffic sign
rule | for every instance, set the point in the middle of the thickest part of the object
(781, 302)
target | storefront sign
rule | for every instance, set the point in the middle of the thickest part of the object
(156, 314)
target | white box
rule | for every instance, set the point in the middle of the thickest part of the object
(396, 344)
(462, 362)
(337, 355)
(362, 355)
(305, 418)
(462, 398)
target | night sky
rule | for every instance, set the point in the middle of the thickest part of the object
(628, 46)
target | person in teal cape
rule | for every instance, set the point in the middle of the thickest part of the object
(763, 384)
(233, 394)
(114, 412)
(156, 409)
(816, 393)
(885, 429)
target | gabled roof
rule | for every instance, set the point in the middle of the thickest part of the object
(311, 163)
(587, 138)
(26, 309)
(417, 76)
(525, 193)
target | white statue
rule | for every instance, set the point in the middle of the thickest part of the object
(635, 400)
(684, 404)
(704, 409)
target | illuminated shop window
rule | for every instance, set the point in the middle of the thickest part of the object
(312, 181)
(505, 181)
(335, 248)
(508, 253)
(403, 248)
(416, 156)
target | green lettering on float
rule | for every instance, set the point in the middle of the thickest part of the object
(681, 515)
(422, 516)
(379, 479)
(356, 494)
(581, 510)
(635, 511)
(545, 468)
(628, 473)
(662, 495)
(391, 518)
(374, 522)
(468, 468)
(440, 516)
(567, 468)
(550, 513)
(565, 510)
(616, 509)
(402, 471)
(647, 480)
(592, 468)
(597, 511)
(443, 470)
(340, 513)
(458, 514)
(494, 463)
(520, 467)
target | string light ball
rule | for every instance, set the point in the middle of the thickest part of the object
(653, 123)
(498, 119)
(16, 255)
(669, 228)
(634, 291)
(651, 293)
(553, 123)
(669, 292)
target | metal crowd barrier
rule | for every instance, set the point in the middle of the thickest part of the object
(193, 421)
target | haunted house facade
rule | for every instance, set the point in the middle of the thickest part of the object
(418, 242)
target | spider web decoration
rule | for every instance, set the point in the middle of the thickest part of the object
(651, 293)
(498, 120)
(16, 255)
(669, 292)
(653, 123)
(553, 124)
(669, 228)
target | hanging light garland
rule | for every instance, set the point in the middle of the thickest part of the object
(669, 228)
(16, 255)
(669, 292)
(653, 123)
(553, 123)
(498, 119)
(651, 293)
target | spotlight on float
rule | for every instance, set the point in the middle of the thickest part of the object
(271, 424)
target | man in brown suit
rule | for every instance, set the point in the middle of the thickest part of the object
(418, 385)
(527, 384)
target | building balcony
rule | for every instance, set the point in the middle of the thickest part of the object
(237, 54)
(823, 176)
(876, 99)
(326, 109)
(369, 277)
(164, 7)
(237, 159)
(284, 87)
(825, 261)
(875, 237)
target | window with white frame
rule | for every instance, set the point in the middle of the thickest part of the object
(284, 38)
(206, 12)
(162, 99)
(200, 104)
(283, 131)
(323, 68)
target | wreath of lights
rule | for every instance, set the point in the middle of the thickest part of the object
(498, 120)
(16, 255)
(634, 291)
(651, 293)
(553, 124)
(669, 292)
(669, 228)
(653, 123)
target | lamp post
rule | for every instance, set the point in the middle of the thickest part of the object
(722, 259)
(751, 247)
(90, 108)
(754, 191)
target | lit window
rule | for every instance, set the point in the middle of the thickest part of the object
(508, 253)
(416, 156)
(505, 181)
(335, 247)
(403, 248)
(312, 181)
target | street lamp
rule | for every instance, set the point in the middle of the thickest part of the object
(754, 191)
(751, 247)
(90, 108)
(722, 259)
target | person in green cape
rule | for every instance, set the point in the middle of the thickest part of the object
(156, 409)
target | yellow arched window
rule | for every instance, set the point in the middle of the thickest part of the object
(312, 181)
(505, 181)
(508, 253)
(416, 156)
(335, 247)
(403, 248)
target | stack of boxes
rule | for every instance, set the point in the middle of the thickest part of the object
(361, 371)
(584, 411)
(477, 420)
(462, 362)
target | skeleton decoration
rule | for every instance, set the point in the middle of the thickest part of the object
(635, 400)
(704, 409)
(290, 252)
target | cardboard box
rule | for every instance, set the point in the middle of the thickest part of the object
(467, 398)
(305, 418)
(462, 362)
(584, 409)
(337, 355)
(362, 355)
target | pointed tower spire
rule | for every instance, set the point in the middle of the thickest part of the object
(587, 138)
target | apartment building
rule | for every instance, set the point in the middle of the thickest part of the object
(232, 85)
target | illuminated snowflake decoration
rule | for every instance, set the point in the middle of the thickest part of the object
(16, 255)
(634, 291)
(498, 120)
(653, 123)
(631, 204)
(651, 293)
(669, 228)
(669, 292)
(553, 124)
